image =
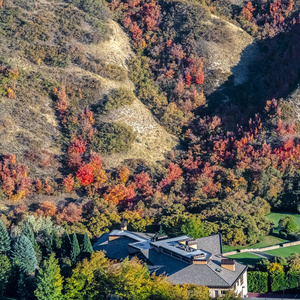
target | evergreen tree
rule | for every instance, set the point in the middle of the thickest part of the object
(66, 245)
(5, 269)
(56, 241)
(22, 289)
(75, 250)
(49, 280)
(46, 243)
(4, 238)
(87, 245)
(24, 255)
(28, 232)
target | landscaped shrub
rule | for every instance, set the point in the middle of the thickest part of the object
(277, 281)
(113, 137)
(117, 98)
(293, 279)
(257, 282)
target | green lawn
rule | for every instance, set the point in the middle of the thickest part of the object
(265, 241)
(246, 258)
(275, 217)
(284, 251)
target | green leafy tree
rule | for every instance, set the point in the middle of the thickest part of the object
(75, 250)
(288, 224)
(131, 280)
(24, 255)
(292, 227)
(49, 280)
(194, 228)
(87, 245)
(82, 284)
(4, 239)
(5, 269)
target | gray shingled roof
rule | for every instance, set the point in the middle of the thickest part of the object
(180, 272)
(116, 249)
(212, 244)
(177, 271)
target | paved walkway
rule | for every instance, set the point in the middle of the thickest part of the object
(272, 296)
(263, 255)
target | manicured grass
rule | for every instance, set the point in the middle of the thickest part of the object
(275, 217)
(265, 241)
(287, 251)
(246, 258)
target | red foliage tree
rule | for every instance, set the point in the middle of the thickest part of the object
(68, 183)
(47, 186)
(247, 11)
(85, 174)
(71, 213)
(62, 104)
(47, 209)
(38, 185)
(115, 194)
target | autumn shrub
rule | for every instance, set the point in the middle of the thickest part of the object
(8, 76)
(96, 8)
(266, 20)
(113, 72)
(117, 98)
(50, 55)
(113, 137)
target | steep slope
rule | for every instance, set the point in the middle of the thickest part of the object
(85, 52)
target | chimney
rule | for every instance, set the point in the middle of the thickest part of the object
(228, 264)
(192, 244)
(124, 225)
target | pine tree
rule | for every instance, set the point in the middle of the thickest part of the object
(49, 280)
(22, 289)
(28, 232)
(56, 241)
(24, 255)
(5, 271)
(4, 238)
(75, 250)
(87, 245)
(66, 245)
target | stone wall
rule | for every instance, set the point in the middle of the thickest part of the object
(262, 249)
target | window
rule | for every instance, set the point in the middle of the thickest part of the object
(167, 251)
(186, 259)
(223, 292)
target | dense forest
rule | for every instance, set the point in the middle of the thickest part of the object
(236, 159)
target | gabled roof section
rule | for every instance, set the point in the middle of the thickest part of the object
(129, 234)
(212, 244)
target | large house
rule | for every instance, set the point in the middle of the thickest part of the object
(183, 259)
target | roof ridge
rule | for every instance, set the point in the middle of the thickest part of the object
(219, 275)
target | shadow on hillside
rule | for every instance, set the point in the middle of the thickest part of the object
(272, 72)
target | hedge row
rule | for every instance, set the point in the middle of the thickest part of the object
(263, 282)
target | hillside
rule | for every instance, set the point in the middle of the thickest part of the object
(171, 117)
(31, 129)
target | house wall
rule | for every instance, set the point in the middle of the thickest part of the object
(240, 288)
